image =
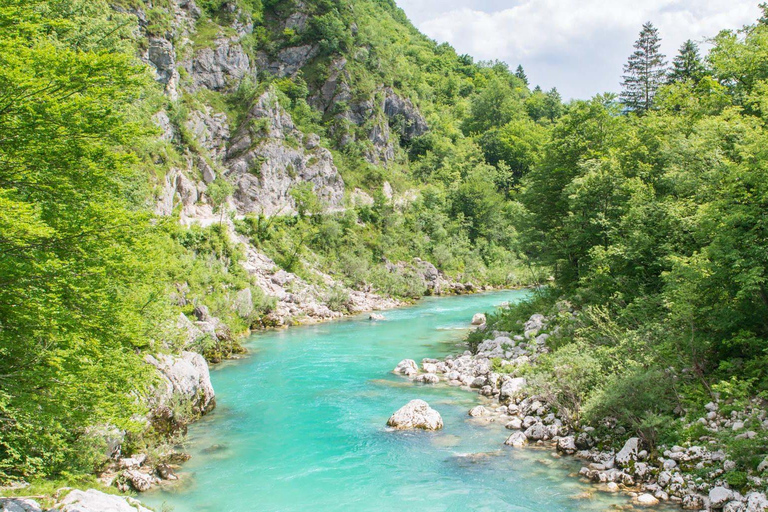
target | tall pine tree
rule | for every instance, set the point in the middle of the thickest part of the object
(687, 64)
(644, 72)
(520, 73)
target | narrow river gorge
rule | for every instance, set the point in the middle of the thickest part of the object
(300, 425)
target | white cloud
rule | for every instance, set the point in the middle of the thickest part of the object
(577, 45)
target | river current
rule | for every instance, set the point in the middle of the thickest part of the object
(300, 426)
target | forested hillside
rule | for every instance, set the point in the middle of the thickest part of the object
(176, 173)
(651, 211)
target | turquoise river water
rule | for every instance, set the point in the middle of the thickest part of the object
(300, 426)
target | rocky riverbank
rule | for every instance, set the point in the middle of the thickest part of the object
(73, 500)
(690, 476)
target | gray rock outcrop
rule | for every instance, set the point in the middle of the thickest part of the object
(185, 379)
(269, 158)
(216, 68)
(19, 505)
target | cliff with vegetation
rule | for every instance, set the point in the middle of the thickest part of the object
(176, 173)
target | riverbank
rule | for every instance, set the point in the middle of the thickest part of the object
(691, 476)
(301, 425)
(132, 470)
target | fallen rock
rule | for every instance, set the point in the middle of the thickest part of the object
(138, 480)
(428, 378)
(693, 502)
(719, 496)
(536, 432)
(376, 316)
(478, 411)
(566, 445)
(647, 500)
(756, 502)
(734, 506)
(416, 414)
(512, 388)
(628, 453)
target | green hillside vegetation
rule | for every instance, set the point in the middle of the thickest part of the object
(654, 223)
(90, 275)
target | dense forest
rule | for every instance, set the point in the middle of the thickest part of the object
(648, 208)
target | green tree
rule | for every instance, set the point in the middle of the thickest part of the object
(520, 73)
(687, 64)
(219, 192)
(645, 71)
(77, 254)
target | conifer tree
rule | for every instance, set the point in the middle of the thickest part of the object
(644, 72)
(687, 64)
(520, 73)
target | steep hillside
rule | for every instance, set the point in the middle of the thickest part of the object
(340, 113)
(181, 172)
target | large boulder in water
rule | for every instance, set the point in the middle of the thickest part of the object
(97, 501)
(478, 319)
(416, 414)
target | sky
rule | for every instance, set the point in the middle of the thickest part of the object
(578, 46)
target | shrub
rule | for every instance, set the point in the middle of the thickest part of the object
(566, 377)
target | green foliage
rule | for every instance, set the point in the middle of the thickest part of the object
(645, 71)
(642, 401)
(78, 298)
(566, 377)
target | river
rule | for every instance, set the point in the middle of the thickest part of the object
(300, 426)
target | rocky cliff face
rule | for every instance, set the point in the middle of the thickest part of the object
(203, 61)
(266, 154)
(270, 156)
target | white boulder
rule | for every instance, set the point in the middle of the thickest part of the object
(478, 411)
(628, 452)
(97, 501)
(518, 440)
(719, 496)
(647, 500)
(512, 388)
(407, 367)
(756, 502)
(416, 414)
(478, 319)
(428, 378)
